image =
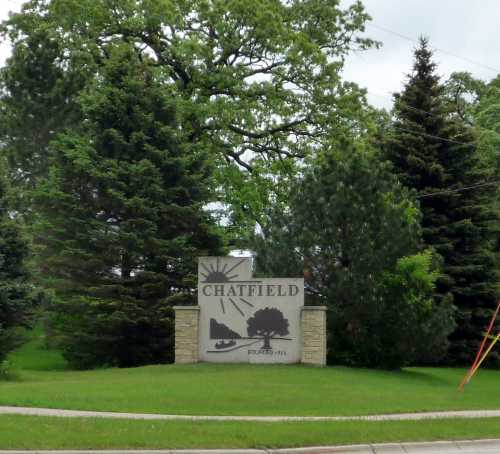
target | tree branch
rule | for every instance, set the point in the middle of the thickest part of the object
(236, 157)
(265, 69)
(260, 135)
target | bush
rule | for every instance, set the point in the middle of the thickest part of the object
(405, 326)
(356, 232)
(123, 333)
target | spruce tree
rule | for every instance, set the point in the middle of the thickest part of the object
(16, 296)
(356, 233)
(486, 119)
(432, 152)
(122, 219)
(37, 101)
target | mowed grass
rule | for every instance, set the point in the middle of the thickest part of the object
(241, 389)
(28, 432)
(34, 355)
(42, 379)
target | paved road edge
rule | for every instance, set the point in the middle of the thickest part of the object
(465, 446)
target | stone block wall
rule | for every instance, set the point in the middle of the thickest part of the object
(313, 322)
(186, 334)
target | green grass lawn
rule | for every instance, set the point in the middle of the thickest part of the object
(42, 379)
(206, 389)
(28, 432)
(34, 355)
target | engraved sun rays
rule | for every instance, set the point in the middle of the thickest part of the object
(235, 305)
(221, 275)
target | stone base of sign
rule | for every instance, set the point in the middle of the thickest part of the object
(186, 334)
(313, 324)
(314, 335)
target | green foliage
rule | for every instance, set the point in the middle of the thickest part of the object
(121, 333)
(486, 113)
(121, 219)
(486, 116)
(411, 284)
(38, 101)
(432, 150)
(462, 93)
(257, 84)
(477, 103)
(349, 223)
(17, 298)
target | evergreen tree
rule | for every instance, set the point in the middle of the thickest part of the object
(37, 101)
(16, 296)
(433, 152)
(122, 219)
(356, 233)
(486, 117)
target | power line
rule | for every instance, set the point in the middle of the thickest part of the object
(451, 191)
(443, 51)
(430, 114)
(389, 96)
(401, 103)
(416, 109)
(426, 112)
(424, 134)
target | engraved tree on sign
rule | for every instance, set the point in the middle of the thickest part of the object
(267, 323)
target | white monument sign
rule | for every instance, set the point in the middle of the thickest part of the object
(243, 319)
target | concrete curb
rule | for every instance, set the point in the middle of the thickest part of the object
(489, 446)
(29, 411)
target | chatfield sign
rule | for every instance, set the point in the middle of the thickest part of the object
(243, 319)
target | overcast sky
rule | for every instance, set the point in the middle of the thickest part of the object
(467, 28)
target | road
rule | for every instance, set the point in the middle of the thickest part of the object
(442, 447)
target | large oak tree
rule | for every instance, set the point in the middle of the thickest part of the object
(256, 83)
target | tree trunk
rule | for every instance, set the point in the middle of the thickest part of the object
(126, 266)
(267, 345)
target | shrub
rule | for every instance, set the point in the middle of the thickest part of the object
(357, 233)
(122, 333)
